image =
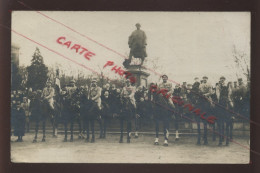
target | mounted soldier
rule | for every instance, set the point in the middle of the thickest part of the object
(128, 107)
(94, 110)
(205, 104)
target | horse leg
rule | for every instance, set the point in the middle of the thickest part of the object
(129, 126)
(166, 132)
(231, 130)
(101, 127)
(214, 132)
(87, 130)
(177, 128)
(80, 128)
(198, 129)
(219, 123)
(66, 130)
(71, 129)
(121, 130)
(136, 127)
(205, 133)
(156, 142)
(43, 130)
(227, 132)
(105, 127)
(92, 123)
(36, 131)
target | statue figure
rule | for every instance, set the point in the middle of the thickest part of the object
(137, 44)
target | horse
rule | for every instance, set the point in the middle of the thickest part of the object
(162, 111)
(41, 111)
(127, 112)
(70, 112)
(92, 113)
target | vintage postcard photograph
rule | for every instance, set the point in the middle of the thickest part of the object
(130, 87)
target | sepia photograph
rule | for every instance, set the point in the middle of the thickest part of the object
(130, 87)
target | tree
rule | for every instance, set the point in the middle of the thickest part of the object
(242, 63)
(37, 71)
(16, 78)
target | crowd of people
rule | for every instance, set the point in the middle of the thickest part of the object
(87, 104)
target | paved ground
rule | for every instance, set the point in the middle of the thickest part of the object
(140, 150)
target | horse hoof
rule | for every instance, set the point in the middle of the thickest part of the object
(121, 141)
(219, 144)
(71, 140)
(65, 140)
(92, 140)
(205, 143)
(156, 143)
(177, 139)
(165, 144)
(54, 136)
(227, 144)
(87, 140)
(35, 140)
(80, 137)
(198, 143)
(43, 140)
(136, 136)
(128, 140)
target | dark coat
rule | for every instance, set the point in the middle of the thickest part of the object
(19, 122)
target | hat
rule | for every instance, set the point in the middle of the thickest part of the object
(94, 80)
(72, 81)
(239, 79)
(196, 78)
(205, 77)
(164, 76)
(138, 24)
(222, 77)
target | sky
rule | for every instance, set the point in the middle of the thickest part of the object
(186, 44)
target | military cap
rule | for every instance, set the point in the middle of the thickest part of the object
(222, 77)
(205, 77)
(72, 81)
(196, 78)
(94, 80)
(138, 24)
(164, 76)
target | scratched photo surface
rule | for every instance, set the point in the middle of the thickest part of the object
(130, 87)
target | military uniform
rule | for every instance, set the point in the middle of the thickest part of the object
(48, 94)
(205, 105)
(128, 107)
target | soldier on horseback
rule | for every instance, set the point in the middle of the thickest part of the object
(163, 113)
(128, 107)
(94, 110)
(48, 94)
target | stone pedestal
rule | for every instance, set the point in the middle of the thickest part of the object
(140, 75)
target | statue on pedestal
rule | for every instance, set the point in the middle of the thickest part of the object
(137, 44)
